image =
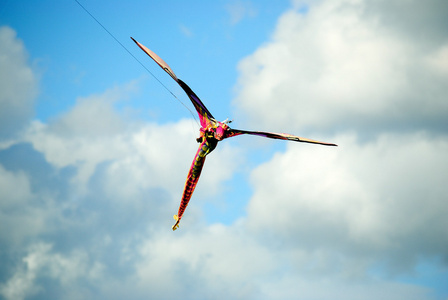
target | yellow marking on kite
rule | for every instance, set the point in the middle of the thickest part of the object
(175, 226)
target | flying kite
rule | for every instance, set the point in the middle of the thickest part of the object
(210, 133)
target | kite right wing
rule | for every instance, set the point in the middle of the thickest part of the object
(279, 136)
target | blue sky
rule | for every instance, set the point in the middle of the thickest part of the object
(94, 151)
(81, 50)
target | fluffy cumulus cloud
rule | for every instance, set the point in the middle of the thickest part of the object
(86, 198)
(350, 64)
(16, 102)
(382, 202)
(374, 74)
(79, 192)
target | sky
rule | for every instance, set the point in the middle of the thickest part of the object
(94, 150)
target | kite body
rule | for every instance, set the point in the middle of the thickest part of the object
(207, 145)
(211, 132)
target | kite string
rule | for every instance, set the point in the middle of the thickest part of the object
(130, 53)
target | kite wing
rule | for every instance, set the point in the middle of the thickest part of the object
(279, 136)
(204, 115)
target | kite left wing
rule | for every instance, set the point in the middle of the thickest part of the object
(204, 115)
(157, 59)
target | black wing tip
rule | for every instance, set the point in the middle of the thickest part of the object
(325, 144)
(314, 142)
(329, 144)
(297, 139)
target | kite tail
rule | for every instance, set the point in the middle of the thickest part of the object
(175, 226)
(192, 180)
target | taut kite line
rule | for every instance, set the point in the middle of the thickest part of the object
(211, 132)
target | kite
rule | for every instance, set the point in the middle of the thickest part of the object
(210, 133)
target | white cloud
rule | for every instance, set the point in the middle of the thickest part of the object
(340, 67)
(153, 155)
(439, 60)
(16, 102)
(41, 263)
(382, 201)
(115, 180)
(214, 262)
(185, 30)
(224, 262)
(19, 218)
(238, 10)
(378, 200)
(321, 289)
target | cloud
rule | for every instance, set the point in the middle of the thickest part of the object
(209, 262)
(42, 263)
(238, 10)
(82, 191)
(349, 64)
(16, 197)
(94, 134)
(16, 102)
(374, 203)
(186, 31)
